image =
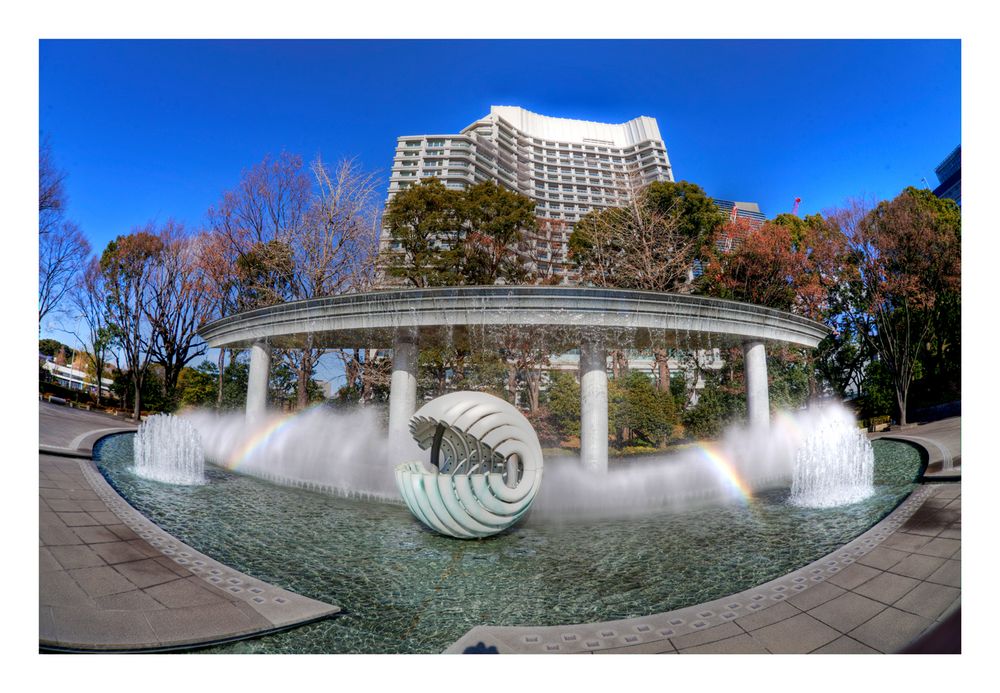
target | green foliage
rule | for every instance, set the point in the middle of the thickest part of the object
(151, 394)
(51, 347)
(800, 227)
(878, 395)
(443, 369)
(789, 380)
(198, 387)
(453, 237)
(839, 360)
(563, 401)
(496, 219)
(717, 408)
(641, 413)
(679, 390)
(282, 390)
(235, 378)
(426, 221)
(698, 214)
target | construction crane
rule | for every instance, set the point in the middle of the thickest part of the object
(795, 207)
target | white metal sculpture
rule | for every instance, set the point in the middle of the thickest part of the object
(486, 465)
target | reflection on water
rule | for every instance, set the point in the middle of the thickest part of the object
(406, 589)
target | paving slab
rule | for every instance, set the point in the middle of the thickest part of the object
(846, 612)
(109, 579)
(891, 630)
(796, 635)
(845, 645)
(928, 600)
(740, 644)
(917, 566)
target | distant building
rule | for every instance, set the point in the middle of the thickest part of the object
(746, 217)
(949, 173)
(74, 378)
(567, 167)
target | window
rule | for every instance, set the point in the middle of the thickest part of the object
(413, 143)
(435, 143)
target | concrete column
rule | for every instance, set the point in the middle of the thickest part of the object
(402, 398)
(594, 407)
(755, 375)
(257, 379)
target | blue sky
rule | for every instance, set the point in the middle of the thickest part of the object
(149, 130)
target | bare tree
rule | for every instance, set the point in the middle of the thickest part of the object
(256, 220)
(286, 235)
(90, 299)
(335, 249)
(181, 302)
(51, 191)
(62, 253)
(637, 245)
(129, 267)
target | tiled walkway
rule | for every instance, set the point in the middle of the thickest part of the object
(109, 579)
(878, 594)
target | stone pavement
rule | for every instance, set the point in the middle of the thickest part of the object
(879, 593)
(941, 439)
(111, 580)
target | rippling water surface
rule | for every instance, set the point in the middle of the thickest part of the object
(405, 589)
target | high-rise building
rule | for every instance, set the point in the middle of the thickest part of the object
(567, 167)
(745, 217)
(949, 174)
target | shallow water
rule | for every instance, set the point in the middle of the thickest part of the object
(405, 589)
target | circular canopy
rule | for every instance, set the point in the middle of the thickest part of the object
(556, 317)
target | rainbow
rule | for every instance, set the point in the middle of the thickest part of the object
(260, 437)
(726, 470)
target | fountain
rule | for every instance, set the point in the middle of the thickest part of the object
(168, 449)
(486, 465)
(646, 537)
(600, 542)
(834, 465)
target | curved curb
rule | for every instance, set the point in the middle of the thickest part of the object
(263, 604)
(655, 633)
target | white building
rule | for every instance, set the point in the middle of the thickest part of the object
(568, 167)
(76, 379)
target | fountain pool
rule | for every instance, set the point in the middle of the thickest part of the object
(406, 589)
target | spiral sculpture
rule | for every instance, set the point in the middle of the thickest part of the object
(486, 465)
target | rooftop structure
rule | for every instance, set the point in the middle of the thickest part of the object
(949, 174)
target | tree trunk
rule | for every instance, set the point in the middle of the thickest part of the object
(301, 386)
(662, 369)
(512, 382)
(534, 386)
(222, 367)
(137, 406)
(901, 403)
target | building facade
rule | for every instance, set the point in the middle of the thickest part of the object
(567, 167)
(949, 174)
